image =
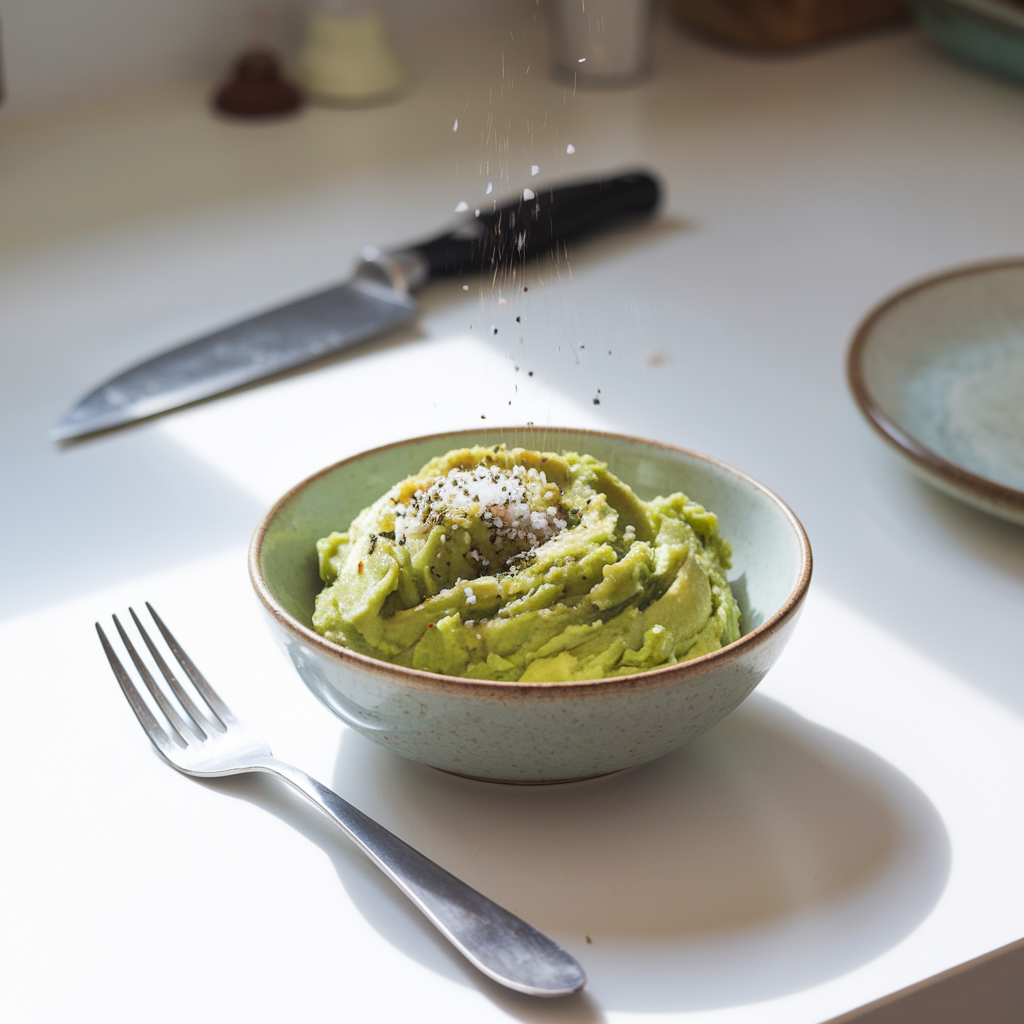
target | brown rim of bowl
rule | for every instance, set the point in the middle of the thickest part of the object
(434, 680)
(984, 488)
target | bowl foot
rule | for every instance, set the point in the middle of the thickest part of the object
(533, 782)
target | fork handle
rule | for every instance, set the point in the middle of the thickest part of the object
(495, 941)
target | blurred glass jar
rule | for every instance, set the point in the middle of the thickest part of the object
(347, 59)
(600, 42)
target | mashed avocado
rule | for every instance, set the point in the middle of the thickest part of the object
(508, 564)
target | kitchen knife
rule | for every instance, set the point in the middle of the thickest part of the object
(377, 299)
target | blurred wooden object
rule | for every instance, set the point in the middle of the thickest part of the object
(786, 24)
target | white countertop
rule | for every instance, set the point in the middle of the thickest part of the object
(853, 828)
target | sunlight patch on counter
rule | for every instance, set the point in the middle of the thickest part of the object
(269, 438)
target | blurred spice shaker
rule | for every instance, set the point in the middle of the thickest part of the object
(257, 88)
(600, 42)
(786, 24)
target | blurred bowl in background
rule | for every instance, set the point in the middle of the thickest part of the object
(986, 33)
(938, 370)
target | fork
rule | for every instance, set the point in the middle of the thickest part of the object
(210, 741)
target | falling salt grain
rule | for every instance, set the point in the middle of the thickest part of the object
(570, 149)
(465, 287)
(581, 60)
(455, 127)
(490, 188)
(462, 207)
(529, 194)
(534, 169)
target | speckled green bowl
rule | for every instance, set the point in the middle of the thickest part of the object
(538, 732)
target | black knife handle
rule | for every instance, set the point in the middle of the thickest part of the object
(525, 227)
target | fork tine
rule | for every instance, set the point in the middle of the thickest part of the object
(206, 691)
(152, 727)
(176, 721)
(185, 700)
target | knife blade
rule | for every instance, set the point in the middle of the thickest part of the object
(377, 299)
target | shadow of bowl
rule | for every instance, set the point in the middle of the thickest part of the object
(766, 857)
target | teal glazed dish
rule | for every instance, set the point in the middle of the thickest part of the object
(986, 33)
(938, 370)
(535, 732)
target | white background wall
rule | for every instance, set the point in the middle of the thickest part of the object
(56, 51)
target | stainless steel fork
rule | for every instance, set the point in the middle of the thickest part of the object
(210, 741)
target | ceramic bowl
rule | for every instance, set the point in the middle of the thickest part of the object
(538, 732)
(938, 370)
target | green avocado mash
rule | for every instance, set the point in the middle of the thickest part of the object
(508, 564)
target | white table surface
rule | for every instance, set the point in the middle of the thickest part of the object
(853, 828)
